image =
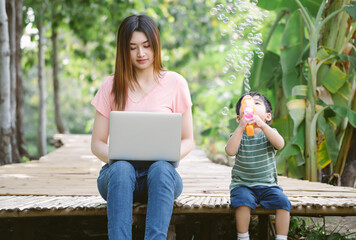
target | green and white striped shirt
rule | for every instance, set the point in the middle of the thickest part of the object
(255, 163)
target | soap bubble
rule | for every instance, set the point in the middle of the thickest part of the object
(238, 3)
(258, 41)
(231, 79)
(235, 36)
(225, 69)
(225, 111)
(220, 7)
(247, 74)
(260, 54)
(232, 25)
(254, 2)
(226, 20)
(248, 19)
(213, 11)
(258, 35)
(223, 32)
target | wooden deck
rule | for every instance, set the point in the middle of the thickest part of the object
(63, 183)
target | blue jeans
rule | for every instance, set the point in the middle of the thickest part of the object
(120, 184)
(269, 197)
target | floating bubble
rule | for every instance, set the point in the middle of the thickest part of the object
(250, 35)
(221, 16)
(231, 79)
(258, 41)
(220, 7)
(226, 20)
(254, 2)
(225, 69)
(240, 28)
(223, 32)
(265, 13)
(235, 36)
(237, 69)
(258, 35)
(232, 25)
(260, 54)
(249, 55)
(213, 11)
(254, 29)
(225, 111)
(233, 10)
(248, 19)
(228, 9)
(238, 3)
(247, 74)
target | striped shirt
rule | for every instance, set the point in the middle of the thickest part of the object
(255, 163)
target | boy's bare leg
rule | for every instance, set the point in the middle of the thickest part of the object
(242, 215)
(282, 222)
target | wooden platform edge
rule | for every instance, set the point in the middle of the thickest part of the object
(100, 210)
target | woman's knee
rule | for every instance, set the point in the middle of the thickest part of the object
(161, 167)
(161, 171)
(122, 170)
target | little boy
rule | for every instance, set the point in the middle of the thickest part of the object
(254, 175)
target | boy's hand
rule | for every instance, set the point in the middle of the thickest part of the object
(258, 121)
(242, 124)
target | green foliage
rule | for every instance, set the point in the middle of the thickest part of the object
(306, 228)
(315, 82)
(192, 45)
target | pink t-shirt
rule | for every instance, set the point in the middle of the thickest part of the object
(171, 94)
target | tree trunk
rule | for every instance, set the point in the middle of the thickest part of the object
(41, 142)
(56, 90)
(20, 133)
(10, 9)
(348, 177)
(5, 116)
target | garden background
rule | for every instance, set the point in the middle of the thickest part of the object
(303, 61)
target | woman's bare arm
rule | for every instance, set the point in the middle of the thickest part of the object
(187, 142)
(99, 138)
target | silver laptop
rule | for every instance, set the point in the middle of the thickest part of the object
(145, 136)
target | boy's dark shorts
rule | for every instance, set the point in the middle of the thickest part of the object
(270, 197)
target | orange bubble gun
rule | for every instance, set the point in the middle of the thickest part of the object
(248, 109)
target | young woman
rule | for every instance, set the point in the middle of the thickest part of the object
(140, 84)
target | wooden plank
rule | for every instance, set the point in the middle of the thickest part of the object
(63, 183)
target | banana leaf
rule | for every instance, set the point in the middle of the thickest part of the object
(345, 112)
(292, 46)
(323, 158)
(332, 146)
(296, 109)
(334, 79)
(276, 5)
(351, 9)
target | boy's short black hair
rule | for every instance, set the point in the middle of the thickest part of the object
(265, 100)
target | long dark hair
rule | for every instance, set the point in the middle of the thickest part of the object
(125, 75)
